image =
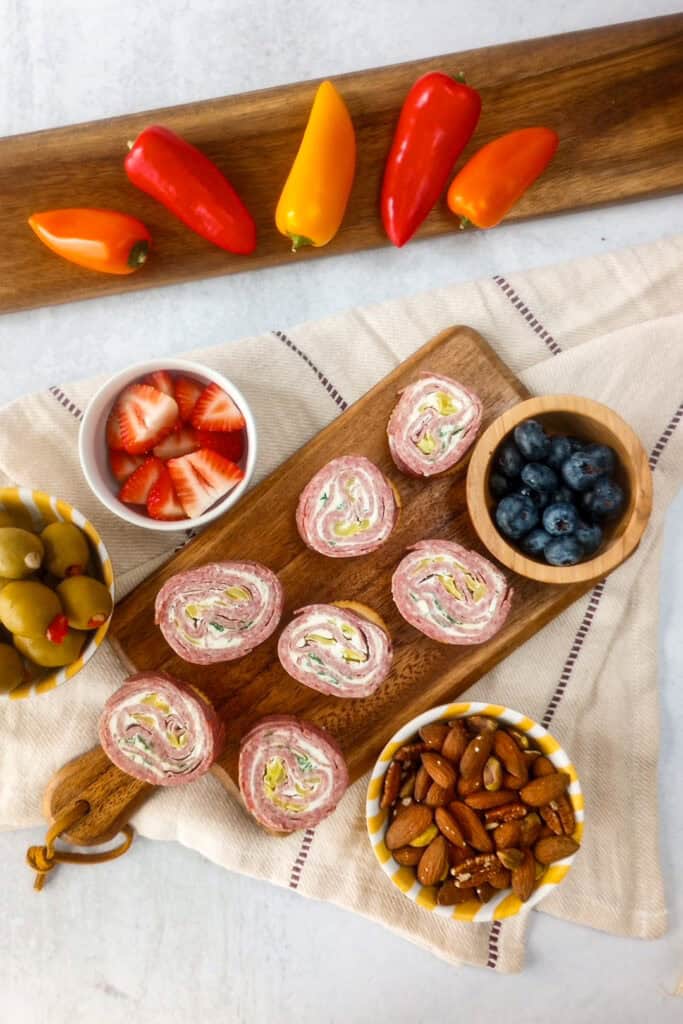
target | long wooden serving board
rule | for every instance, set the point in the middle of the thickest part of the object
(614, 95)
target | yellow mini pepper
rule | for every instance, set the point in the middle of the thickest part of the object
(313, 201)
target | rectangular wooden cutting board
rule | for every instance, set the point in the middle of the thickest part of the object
(262, 527)
(614, 95)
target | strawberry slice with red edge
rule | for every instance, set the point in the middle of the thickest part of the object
(137, 487)
(146, 415)
(162, 502)
(124, 465)
(230, 445)
(216, 411)
(162, 381)
(180, 442)
(114, 439)
(187, 392)
(202, 478)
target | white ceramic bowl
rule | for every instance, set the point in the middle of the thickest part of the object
(93, 451)
(504, 903)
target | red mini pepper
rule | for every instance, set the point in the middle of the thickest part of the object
(499, 173)
(437, 120)
(191, 186)
(58, 629)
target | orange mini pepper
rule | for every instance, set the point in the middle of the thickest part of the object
(498, 174)
(313, 201)
(103, 240)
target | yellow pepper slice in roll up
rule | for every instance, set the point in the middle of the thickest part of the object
(313, 201)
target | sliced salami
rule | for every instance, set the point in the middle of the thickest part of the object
(432, 425)
(220, 611)
(291, 774)
(349, 508)
(339, 649)
(451, 594)
(160, 730)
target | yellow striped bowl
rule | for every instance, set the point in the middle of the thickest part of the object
(504, 903)
(42, 509)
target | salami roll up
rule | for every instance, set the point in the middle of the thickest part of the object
(451, 594)
(291, 774)
(349, 508)
(432, 425)
(339, 649)
(160, 730)
(220, 611)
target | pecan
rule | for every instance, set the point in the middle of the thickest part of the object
(475, 871)
(408, 784)
(492, 775)
(484, 801)
(456, 740)
(524, 877)
(508, 834)
(437, 796)
(500, 879)
(458, 854)
(508, 812)
(476, 755)
(433, 866)
(410, 751)
(471, 827)
(422, 783)
(542, 790)
(449, 894)
(434, 734)
(440, 769)
(529, 828)
(511, 755)
(392, 784)
(447, 824)
(546, 830)
(565, 811)
(484, 892)
(408, 856)
(554, 848)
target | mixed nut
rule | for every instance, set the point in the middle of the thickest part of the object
(474, 808)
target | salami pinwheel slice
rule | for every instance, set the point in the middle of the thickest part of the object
(432, 425)
(291, 774)
(160, 730)
(451, 594)
(349, 508)
(220, 611)
(340, 649)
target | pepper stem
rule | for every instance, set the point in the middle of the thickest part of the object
(464, 222)
(298, 241)
(130, 144)
(460, 77)
(138, 254)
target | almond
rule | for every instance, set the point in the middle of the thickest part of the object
(514, 781)
(542, 766)
(544, 789)
(437, 796)
(409, 751)
(476, 755)
(554, 848)
(468, 786)
(510, 859)
(422, 783)
(392, 784)
(520, 738)
(441, 770)
(449, 894)
(481, 723)
(529, 828)
(511, 755)
(408, 856)
(531, 755)
(484, 801)
(456, 740)
(509, 834)
(471, 827)
(447, 824)
(409, 823)
(508, 812)
(484, 892)
(492, 775)
(524, 877)
(475, 871)
(546, 830)
(434, 734)
(500, 879)
(433, 866)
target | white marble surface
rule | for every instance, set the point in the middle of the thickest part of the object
(101, 945)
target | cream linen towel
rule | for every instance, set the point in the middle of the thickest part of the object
(610, 328)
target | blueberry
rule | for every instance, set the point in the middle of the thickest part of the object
(581, 471)
(576, 444)
(534, 542)
(532, 440)
(563, 551)
(509, 460)
(563, 494)
(605, 501)
(589, 537)
(603, 457)
(539, 498)
(516, 515)
(540, 477)
(560, 450)
(498, 485)
(560, 518)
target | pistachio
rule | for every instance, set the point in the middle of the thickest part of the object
(493, 775)
(510, 858)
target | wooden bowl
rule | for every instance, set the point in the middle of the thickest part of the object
(589, 421)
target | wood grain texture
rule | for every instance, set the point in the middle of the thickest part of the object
(590, 421)
(614, 95)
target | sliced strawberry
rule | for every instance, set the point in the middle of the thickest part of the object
(163, 502)
(162, 381)
(187, 391)
(230, 445)
(216, 411)
(124, 465)
(181, 441)
(136, 489)
(146, 416)
(201, 478)
(114, 439)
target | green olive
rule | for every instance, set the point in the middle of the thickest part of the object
(86, 602)
(21, 552)
(11, 668)
(18, 516)
(40, 651)
(28, 608)
(4, 581)
(66, 550)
